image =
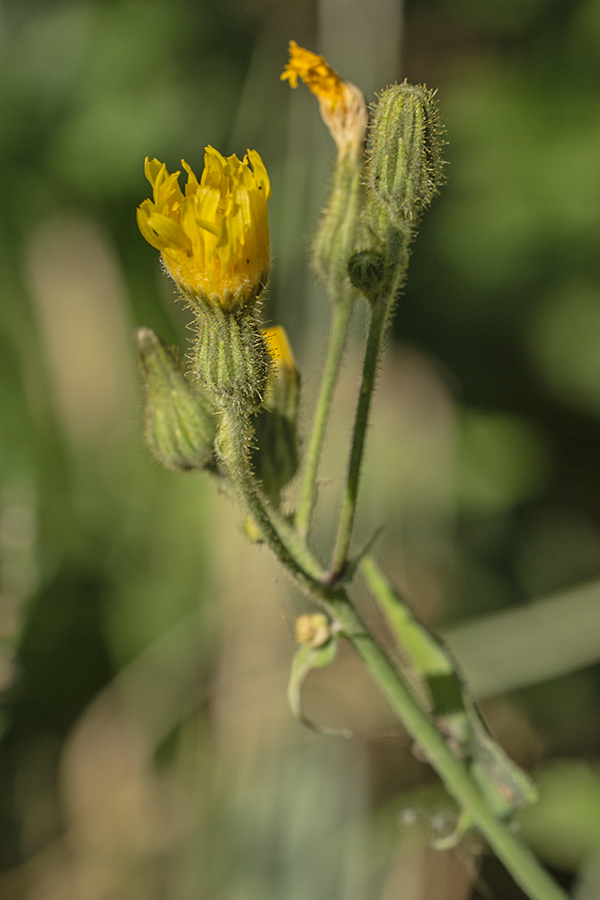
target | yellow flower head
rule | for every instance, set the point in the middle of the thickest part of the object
(342, 104)
(316, 73)
(214, 239)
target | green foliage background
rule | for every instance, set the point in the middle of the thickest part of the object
(147, 751)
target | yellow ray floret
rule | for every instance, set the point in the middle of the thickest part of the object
(316, 73)
(214, 239)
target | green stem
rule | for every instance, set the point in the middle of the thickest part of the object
(308, 488)
(527, 872)
(377, 324)
(283, 540)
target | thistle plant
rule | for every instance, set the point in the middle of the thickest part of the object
(234, 413)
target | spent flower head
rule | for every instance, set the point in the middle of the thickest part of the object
(214, 238)
(342, 104)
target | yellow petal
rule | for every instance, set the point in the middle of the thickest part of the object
(169, 231)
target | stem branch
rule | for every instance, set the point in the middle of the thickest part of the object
(297, 558)
(527, 872)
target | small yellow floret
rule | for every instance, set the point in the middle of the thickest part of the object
(279, 347)
(316, 73)
(214, 239)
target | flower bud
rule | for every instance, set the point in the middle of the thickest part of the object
(313, 630)
(404, 149)
(366, 270)
(180, 424)
(275, 457)
(378, 269)
(283, 388)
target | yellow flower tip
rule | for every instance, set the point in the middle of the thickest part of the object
(279, 347)
(316, 73)
(214, 239)
(342, 104)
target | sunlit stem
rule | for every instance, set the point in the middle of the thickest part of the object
(308, 488)
(345, 527)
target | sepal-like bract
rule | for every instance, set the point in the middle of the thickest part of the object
(232, 360)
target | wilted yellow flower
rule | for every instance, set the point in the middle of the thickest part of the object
(214, 239)
(316, 73)
(342, 104)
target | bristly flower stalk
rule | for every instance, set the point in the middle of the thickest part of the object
(344, 111)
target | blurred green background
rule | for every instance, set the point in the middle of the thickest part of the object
(147, 750)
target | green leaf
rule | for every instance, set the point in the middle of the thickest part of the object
(432, 666)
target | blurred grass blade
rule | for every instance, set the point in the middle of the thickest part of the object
(530, 644)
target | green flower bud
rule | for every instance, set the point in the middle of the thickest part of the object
(378, 269)
(366, 270)
(275, 457)
(406, 168)
(231, 356)
(180, 423)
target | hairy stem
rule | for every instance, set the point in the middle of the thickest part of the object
(377, 324)
(282, 538)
